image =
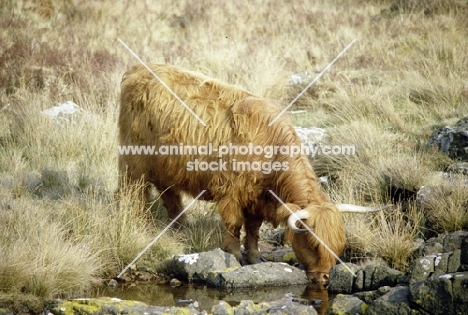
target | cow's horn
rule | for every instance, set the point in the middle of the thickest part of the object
(293, 218)
(344, 207)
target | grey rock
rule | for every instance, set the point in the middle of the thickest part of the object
(453, 264)
(458, 168)
(464, 251)
(258, 275)
(247, 307)
(113, 306)
(433, 248)
(377, 276)
(195, 267)
(395, 302)
(371, 277)
(370, 296)
(422, 268)
(453, 241)
(222, 308)
(441, 262)
(453, 141)
(342, 279)
(346, 304)
(358, 285)
(460, 292)
(433, 295)
(285, 254)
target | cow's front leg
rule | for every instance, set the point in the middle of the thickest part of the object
(233, 220)
(252, 227)
(231, 243)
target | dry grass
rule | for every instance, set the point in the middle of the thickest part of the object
(446, 207)
(405, 76)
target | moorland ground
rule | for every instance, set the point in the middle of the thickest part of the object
(61, 229)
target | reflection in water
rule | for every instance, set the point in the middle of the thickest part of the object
(316, 291)
(164, 295)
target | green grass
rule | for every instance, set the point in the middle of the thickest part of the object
(61, 228)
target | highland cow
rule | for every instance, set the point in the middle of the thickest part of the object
(151, 116)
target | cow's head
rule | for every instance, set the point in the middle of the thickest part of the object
(320, 238)
(320, 241)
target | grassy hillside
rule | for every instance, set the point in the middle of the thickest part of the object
(406, 75)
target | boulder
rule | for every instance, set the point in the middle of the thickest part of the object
(378, 276)
(346, 304)
(196, 267)
(371, 277)
(343, 277)
(394, 302)
(283, 306)
(257, 275)
(112, 306)
(453, 141)
(422, 268)
(435, 295)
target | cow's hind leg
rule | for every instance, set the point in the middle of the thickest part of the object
(252, 227)
(173, 203)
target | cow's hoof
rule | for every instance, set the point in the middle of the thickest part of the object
(256, 260)
(243, 262)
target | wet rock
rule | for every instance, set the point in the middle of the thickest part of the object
(453, 141)
(346, 304)
(371, 277)
(291, 306)
(112, 306)
(342, 278)
(378, 276)
(285, 254)
(175, 283)
(258, 275)
(435, 284)
(283, 306)
(187, 303)
(196, 267)
(393, 302)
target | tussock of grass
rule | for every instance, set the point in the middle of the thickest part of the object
(394, 236)
(37, 257)
(446, 207)
(388, 236)
(205, 229)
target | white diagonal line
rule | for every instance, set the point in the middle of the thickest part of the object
(162, 82)
(160, 234)
(313, 81)
(315, 235)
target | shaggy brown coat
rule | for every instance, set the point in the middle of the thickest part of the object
(151, 116)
